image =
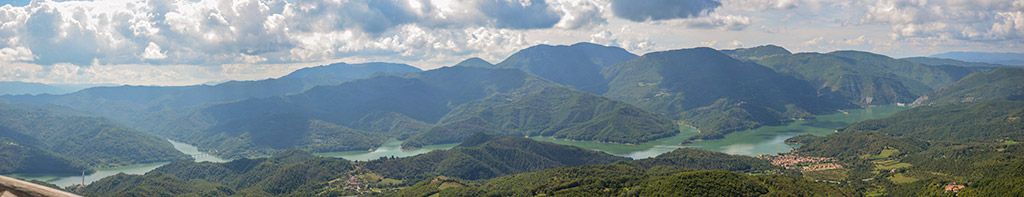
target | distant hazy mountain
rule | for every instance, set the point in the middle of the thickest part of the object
(756, 53)
(135, 105)
(1016, 59)
(19, 88)
(714, 92)
(66, 140)
(944, 61)
(1001, 83)
(513, 103)
(578, 65)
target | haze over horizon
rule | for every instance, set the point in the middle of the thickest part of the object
(181, 42)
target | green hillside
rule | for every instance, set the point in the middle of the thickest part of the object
(918, 152)
(292, 173)
(714, 92)
(553, 111)
(578, 65)
(45, 136)
(855, 81)
(933, 77)
(996, 84)
(500, 101)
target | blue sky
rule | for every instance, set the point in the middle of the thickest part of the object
(180, 42)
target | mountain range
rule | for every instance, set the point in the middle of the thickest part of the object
(582, 91)
(967, 114)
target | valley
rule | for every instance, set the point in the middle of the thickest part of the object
(497, 98)
(766, 140)
(761, 117)
(64, 180)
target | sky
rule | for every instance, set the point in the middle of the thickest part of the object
(183, 42)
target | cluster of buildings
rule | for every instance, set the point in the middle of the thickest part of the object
(794, 160)
(822, 167)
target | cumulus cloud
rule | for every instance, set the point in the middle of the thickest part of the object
(153, 51)
(632, 43)
(213, 32)
(653, 10)
(581, 13)
(994, 20)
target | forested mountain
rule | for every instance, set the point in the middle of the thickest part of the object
(855, 81)
(141, 106)
(539, 109)
(578, 65)
(934, 77)
(38, 138)
(20, 153)
(919, 151)
(757, 53)
(714, 92)
(997, 84)
(514, 103)
(968, 122)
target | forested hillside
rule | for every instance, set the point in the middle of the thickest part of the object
(56, 139)
(855, 81)
(471, 99)
(484, 165)
(922, 150)
(714, 92)
(997, 84)
(578, 65)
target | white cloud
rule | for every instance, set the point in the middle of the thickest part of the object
(990, 20)
(15, 54)
(724, 22)
(581, 13)
(153, 52)
(630, 43)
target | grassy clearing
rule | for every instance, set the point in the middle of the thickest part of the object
(888, 152)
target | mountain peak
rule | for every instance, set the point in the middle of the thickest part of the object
(475, 62)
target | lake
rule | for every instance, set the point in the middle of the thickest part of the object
(768, 140)
(390, 148)
(64, 181)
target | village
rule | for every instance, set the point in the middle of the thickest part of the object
(794, 160)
